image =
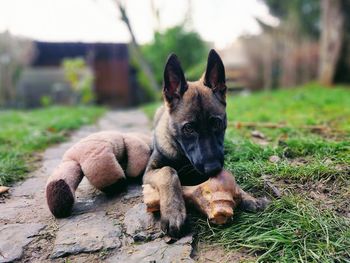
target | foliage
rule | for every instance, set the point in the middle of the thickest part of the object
(305, 13)
(307, 223)
(143, 80)
(80, 78)
(46, 101)
(150, 109)
(24, 133)
(187, 45)
(196, 72)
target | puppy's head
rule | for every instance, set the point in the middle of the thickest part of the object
(198, 113)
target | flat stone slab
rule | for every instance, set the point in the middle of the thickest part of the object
(140, 224)
(125, 121)
(85, 233)
(156, 251)
(13, 237)
(11, 210)
(29, 187)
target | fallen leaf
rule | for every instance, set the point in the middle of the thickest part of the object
(328, 161)
(4, 189)
(51, 129)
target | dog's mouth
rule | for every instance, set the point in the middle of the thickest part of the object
(209, 169)
(192, 176)
(194, 179)
(197, 175)
(201, 172)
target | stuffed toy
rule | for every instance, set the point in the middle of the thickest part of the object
(103, 158)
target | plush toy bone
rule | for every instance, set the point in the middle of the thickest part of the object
(216, 197)
(103, 158)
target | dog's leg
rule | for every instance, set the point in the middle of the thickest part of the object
(172, 204)
(252, 204)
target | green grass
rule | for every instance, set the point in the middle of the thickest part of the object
(25, 133)
(150, 109)
(298, 227)
(309, 105)
(290, 230)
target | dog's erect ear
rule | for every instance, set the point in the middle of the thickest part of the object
(215, 74)
(174, 85)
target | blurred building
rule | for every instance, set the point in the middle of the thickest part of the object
(235, 62)
(114, 77)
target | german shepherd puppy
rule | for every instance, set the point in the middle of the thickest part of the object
(188, 142)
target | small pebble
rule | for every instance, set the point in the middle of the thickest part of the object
(258, 134)
(274, 159)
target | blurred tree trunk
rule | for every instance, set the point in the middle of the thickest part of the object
(267, 61)
(288, 77)
(343, 66)
(332, 36)
(146, 68)
(305, 68)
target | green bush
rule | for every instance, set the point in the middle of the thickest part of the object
(142, 80)
(187, 45)
(46, 101)
(80, 78)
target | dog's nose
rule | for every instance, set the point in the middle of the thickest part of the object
(212, 169)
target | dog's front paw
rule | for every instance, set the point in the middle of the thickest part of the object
(254, 204)
(173, 220)
(262, 203)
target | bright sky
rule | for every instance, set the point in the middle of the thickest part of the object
(217, 21)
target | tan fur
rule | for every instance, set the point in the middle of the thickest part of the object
(163, 135)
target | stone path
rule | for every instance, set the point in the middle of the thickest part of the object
(114, 229)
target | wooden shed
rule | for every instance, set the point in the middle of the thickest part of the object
(108, 61)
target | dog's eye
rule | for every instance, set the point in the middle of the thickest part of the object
(217, 124)
(188, 128)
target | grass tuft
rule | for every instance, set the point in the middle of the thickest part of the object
(24, 133)
(292, 229)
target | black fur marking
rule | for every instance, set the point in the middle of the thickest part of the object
(59, 198)
(200, 108)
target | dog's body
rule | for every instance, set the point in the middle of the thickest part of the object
(188, 139)
(188, 148)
